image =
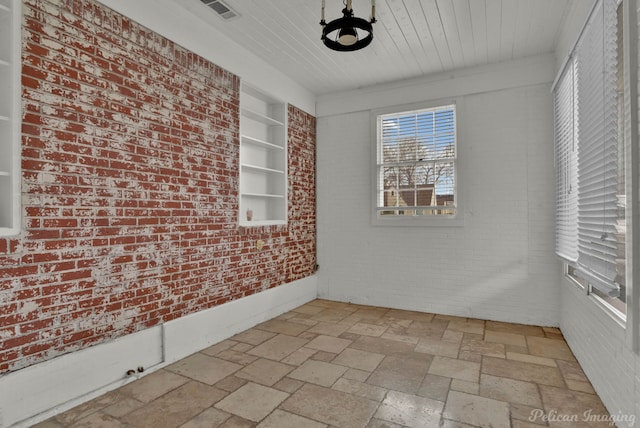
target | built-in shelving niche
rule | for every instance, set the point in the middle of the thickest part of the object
(9, 116)
(263, 158)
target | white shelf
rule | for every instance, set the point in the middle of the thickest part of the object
(4, 8)
(258, 94)
(4, 118)
(262, 118)
(262, 169)
(4, 63)
(4, 174)
(259, 142)
(261, 223)
(263, 195)
(263, 158)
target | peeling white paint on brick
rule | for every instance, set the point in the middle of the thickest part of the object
(26, 308)
(132, 240)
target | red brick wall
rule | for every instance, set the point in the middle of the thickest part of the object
(130, 188)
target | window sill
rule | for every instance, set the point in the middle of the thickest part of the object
(596, 302)
(571, 280)
(418, 221)
(8, 232)
(619, 317)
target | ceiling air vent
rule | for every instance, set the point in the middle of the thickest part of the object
(220, 8)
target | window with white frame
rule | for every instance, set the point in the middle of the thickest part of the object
(416, 163)
(590, 159)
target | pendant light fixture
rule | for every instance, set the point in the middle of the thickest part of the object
(342, 34)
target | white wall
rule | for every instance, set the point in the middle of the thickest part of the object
(500, 264)
(602, 345)
(604, 352)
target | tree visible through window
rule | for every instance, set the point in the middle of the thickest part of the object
(416, 163)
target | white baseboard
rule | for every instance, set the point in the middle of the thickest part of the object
(38, 392)
(189, 334)
(421, 304)
(45, 386)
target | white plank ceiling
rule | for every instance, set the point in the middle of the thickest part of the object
(412, 38)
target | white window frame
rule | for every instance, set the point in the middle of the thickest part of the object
(629, 321)
(436, 220)
(632, 170)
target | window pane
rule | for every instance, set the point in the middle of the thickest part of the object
(424, 196)
(424, 174)
(390, 153)
(417, 153)
(391, 198)
(445, 181)
(390, 178)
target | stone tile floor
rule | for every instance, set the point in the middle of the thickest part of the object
(330, 364)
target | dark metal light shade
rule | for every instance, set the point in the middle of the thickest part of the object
(347, 23)
(347, 36)
(342, 34)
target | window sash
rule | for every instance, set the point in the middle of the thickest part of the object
(416, 157)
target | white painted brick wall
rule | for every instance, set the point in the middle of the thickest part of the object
(603, 351)
(500, 264)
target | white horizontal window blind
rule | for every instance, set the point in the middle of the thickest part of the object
(598, 157)
(587, 139)
(566, 120)
(416, 162)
